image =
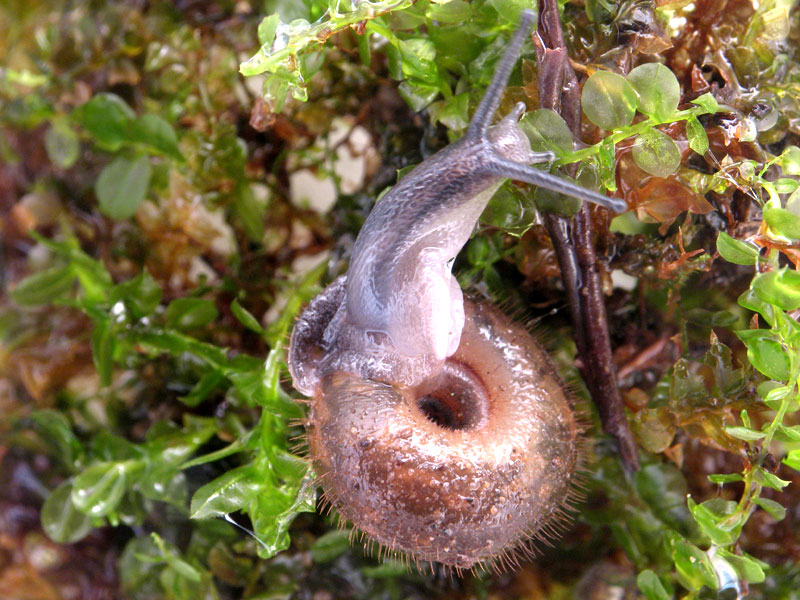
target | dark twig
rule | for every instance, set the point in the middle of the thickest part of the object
(559, 91)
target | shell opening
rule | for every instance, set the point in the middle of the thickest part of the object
(454, 399)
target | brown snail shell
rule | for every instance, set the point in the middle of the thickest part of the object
(461, 468)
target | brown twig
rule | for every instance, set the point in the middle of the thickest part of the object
(577, 259)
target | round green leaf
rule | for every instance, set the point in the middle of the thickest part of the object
(510, 10)
(61, 520)
(783, 222)
(547, 130)
(736, 251)
(765, 354)
(779, 288)
(656, 153)
(98, 490)
(62, 145)
(658, 89)
(107, 118)
(789, 160)
(608, 100)
(122, 186)
(785, 185)
(455, 11)
(156, 134)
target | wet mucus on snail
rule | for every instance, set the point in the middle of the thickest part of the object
(438, 427)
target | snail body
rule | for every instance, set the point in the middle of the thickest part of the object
(437, 426)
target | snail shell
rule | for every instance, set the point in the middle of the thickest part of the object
(460, 468)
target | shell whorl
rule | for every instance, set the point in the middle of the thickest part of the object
(461, 468)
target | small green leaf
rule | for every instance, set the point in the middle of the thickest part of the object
(787, 434)
(272, 514)
(267, 29)
(658, 89)
(98, 490)
(779, 288)
(103, 343)
(417, 95)
(190, 313)
(784, 185)
(226, 494)
(509, 10)
(789, 160)
(203, 388)
(692, 564)
(748, 568)
(656, 153)
(736, 251)
(783, 222)
(607, 164)
(62, 145)
(141, 294)
(765, 353)
(650, 585)
(156, 135)
(107, 118)
(743, 433)
(722, 478)
(459, 11)
(663, 489)
(246, 318)
(697, 136)
(773, 509)
(250, 212)
(43, 287)
(122, 185)
(707, 102)
(61, 521)
(608, 100)
(547, 130)
(769, 480)
(750, 301)
(54, 428)
(793, 459)
(709, 521)
(453, 112)
(330, 545)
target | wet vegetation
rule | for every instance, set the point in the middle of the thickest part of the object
(164, 217)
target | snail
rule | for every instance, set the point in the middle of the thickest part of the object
(438, 426)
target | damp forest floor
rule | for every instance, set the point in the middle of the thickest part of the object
(177, 179)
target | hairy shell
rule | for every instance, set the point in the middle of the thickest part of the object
(462, 468)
